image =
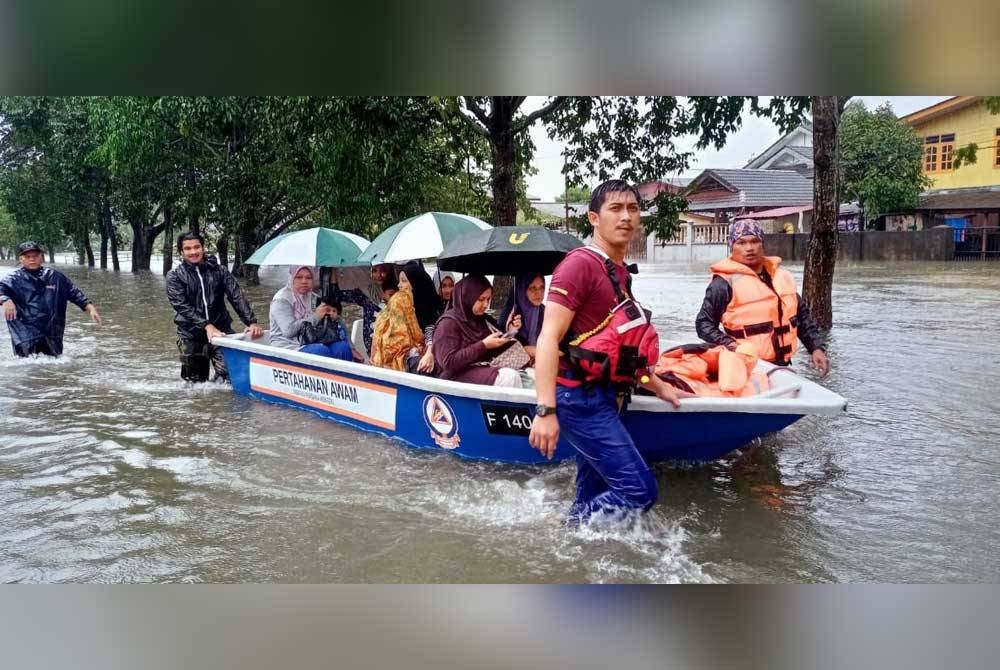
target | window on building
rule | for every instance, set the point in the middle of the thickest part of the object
(996, 150)
(947, 151)
(930, 159)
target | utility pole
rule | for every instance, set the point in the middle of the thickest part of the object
(565, 190)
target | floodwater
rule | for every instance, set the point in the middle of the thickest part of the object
(113, 470)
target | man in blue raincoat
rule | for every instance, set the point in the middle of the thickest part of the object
(33, 299)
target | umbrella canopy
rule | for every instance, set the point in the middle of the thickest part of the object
(508, 250)
(422, 236)
(313, 246)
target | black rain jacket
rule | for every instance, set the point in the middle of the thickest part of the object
(40, 299)
(198, 295)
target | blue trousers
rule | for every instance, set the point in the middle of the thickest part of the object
(341, 350)
(610, 473)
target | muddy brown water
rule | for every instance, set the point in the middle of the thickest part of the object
(113, 470)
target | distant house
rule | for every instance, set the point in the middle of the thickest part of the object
(793, 150)
(949, 125)
(725, 194)
(967, 197)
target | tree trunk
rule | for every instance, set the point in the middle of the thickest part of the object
(817, 283)
(142, 246)
(79, 253)
(245, 246)
(502, 147)
(104, 246)
(168, 234)
(223, 250)
(114, 247)
(89, 250)
(52, 254)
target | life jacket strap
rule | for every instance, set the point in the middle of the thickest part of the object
(753, 329)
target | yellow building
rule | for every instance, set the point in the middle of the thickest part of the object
(950, 125)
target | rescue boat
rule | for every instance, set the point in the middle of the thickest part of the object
(490, 423)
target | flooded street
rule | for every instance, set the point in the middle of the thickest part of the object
(114, 470)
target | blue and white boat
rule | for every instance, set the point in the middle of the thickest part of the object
(491, 423)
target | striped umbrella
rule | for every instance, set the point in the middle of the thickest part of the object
(422, 236)
(313, 246)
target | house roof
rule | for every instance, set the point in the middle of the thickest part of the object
(777, 212)
(987, 197)
(948, 106)
(777, 146)
(750, 188)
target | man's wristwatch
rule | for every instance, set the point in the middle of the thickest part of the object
(544, 410)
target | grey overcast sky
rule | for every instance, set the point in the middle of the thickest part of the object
(754, 137)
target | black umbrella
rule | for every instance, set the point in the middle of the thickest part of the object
(507, 250)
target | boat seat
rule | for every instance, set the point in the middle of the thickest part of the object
(358, 339)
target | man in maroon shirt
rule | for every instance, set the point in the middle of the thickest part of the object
(611, 474)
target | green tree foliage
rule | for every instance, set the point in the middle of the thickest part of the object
(629, 137)
(575, 194)
(879, 160)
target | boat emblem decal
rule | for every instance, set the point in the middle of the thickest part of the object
(440, 418)
(518, 238)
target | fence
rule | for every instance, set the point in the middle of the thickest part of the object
(977, 244)
(702, 233)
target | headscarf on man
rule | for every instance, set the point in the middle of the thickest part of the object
(426, 301)
(744, 228)
(467, 292)
(531, 314)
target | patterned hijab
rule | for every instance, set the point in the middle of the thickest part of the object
(744, 228)
(300, 301)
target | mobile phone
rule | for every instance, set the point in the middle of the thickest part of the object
(509, 335)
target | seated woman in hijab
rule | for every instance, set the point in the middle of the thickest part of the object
(397, 335)
(444, 283)
(296, 305)
(526, 302)
(464, 343)
(427, 305)
(370, 301)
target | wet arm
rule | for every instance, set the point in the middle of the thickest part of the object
(557, 321)
(717, 297)
(450, 353)
(75, 295)
(238, 299)
(809, 331)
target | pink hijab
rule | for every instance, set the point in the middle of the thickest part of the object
(300, 301)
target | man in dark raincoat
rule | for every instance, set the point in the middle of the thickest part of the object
(33, 299)
(197, 290)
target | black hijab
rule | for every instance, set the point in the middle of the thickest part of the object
(426, 301)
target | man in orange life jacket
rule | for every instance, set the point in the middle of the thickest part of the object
(755, 300)
(611, 474)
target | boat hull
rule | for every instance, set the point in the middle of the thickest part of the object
(480, 422)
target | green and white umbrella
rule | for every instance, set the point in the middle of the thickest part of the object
(422, 236)
(314, 246)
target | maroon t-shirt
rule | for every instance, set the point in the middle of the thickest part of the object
(580, 283)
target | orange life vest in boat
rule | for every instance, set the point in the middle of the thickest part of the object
(758, 314)
(713, 371)
(621, 348)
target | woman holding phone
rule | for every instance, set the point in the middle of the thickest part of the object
(464, 343)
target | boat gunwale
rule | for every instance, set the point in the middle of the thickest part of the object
(812, 399)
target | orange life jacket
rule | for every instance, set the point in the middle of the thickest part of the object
(758, 314)
(621, 348)
(712, 370)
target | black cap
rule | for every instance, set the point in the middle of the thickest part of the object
(25, 247)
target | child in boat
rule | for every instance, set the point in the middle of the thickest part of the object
(296, 306)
